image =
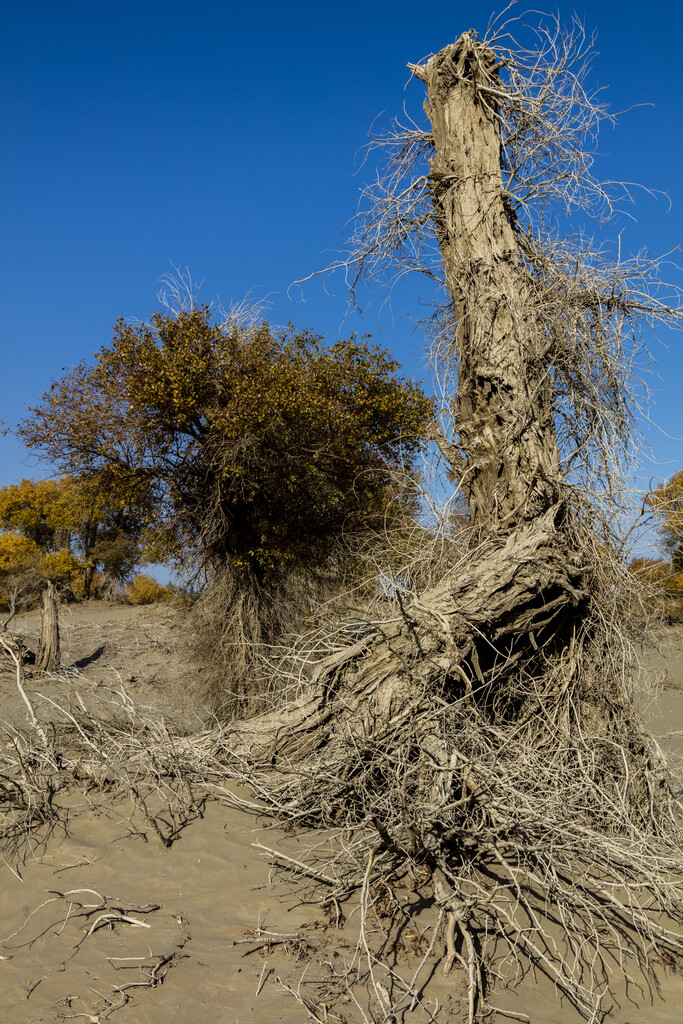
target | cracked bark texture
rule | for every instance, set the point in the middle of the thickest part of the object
(508, 463)
(48, 656)
(484, 729)
(524, 583)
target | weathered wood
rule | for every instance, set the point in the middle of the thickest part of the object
(49, 655)
(457, 634)
(483, 731)
(524, 584)
(503, 407)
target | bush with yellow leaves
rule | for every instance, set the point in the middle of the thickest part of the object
(144, 589)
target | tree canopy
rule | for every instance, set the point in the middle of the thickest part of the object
(76, 528)
(260, 447)
(667, 502)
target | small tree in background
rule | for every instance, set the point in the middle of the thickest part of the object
(89, 531)
(66, 536)
(26, 572)
(260, 448)
(666, 501)
(29, 509)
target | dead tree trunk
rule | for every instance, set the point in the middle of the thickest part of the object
(48, 657)
(508, 464)
(485, 731)
(527, 585)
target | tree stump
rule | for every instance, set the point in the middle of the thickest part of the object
(49, 655)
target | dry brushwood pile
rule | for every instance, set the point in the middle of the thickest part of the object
(479, 738)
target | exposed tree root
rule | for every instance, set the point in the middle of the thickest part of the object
(529, 802)
(485, 738)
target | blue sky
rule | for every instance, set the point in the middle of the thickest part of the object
(224, 137)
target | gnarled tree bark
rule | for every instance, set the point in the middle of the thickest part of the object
(526, 586)
(509, 470)
(48, 656)
(484, 730)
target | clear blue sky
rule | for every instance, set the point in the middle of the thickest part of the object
(223, 137)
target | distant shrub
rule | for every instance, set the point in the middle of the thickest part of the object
(182, 595)
(664, 586)
(144, 589)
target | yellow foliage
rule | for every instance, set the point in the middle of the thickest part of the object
(144, 589)
(665, 582)
(78, 580)
(19, 568)
(85, 522)
(667, 502)
(17, 552)
(58, 566)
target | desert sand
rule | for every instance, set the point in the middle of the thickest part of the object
(101, 921)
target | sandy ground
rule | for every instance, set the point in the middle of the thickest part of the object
(103, 922)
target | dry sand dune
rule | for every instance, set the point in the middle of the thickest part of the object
(104, 922)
